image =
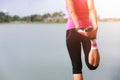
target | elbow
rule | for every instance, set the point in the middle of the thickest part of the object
(71, 12)
(92, 9)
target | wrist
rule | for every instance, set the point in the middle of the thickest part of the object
(77, 29)
(95, 28)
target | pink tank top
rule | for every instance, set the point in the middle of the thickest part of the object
(82, 12)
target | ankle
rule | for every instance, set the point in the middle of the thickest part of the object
(93, 44)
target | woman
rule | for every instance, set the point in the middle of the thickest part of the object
(81, 15)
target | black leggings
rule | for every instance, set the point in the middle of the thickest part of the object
(74, 41)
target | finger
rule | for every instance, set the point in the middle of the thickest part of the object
(82, 32)
(92, 37)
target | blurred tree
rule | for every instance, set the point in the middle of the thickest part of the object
(16, 18)
(47, 17)
(2, 17)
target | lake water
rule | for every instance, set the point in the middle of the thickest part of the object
(38, 52)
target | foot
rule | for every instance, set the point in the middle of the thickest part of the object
(94, 57)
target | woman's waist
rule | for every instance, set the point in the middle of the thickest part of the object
(82, 23)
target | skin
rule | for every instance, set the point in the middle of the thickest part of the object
(92, 34)
(93, 17)
(92, 14)
(94, 57)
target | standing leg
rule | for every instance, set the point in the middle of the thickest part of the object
(78, 77)
(74, 49)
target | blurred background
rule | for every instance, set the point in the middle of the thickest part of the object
(33, 47)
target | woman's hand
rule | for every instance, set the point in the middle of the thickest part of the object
(91, 34)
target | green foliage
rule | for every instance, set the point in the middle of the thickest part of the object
(2, 17)
(16, 18)
(56, 17)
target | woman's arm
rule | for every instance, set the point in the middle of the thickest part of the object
(92, 14)
(93, 18)
(70, 4)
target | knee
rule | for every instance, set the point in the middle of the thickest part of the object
(92, 67)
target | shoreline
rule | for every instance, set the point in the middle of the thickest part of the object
(44, 22)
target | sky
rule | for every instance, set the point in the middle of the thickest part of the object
(105, 8)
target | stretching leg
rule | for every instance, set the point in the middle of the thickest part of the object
(86, 47)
